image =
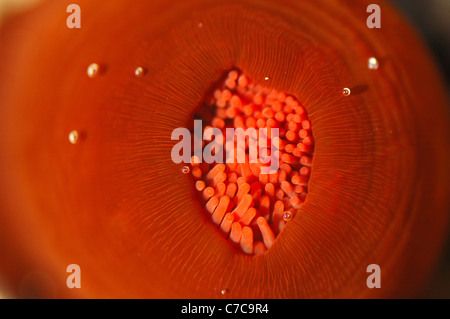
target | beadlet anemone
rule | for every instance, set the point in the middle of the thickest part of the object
(365, 174)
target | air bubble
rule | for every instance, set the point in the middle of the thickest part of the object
(373, 63)
(93, 70)
(287, 216)
(139, 72)
(73, 137)
(185, 170)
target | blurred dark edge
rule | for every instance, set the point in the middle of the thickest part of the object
(431, 18)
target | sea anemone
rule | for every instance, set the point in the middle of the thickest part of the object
(87, 176)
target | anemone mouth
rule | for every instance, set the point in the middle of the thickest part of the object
(251, 198)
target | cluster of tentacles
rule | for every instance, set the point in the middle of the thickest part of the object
(252, 208)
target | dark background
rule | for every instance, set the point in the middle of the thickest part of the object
(431, 18)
